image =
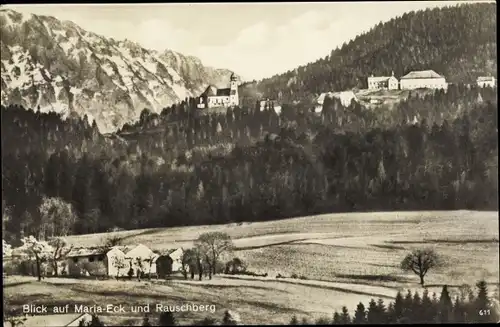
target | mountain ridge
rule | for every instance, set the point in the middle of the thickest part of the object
(58, 66)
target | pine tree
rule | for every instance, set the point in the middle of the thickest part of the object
(360, 314)
(416, 308)
(372, 315)
(344, 317)
(399, 307)
(336, 318)
(167, 319)
(435, 300)
(458, 311)
(427, 308)
(207, 321)
(390, 313)
(294, 321)
(382, 311)
(470, 308)
(407, 305)
(96, 322)
(445, 306)
(145, 321)
(482, 303)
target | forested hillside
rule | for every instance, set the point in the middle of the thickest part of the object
(249, 165)
(458, 42)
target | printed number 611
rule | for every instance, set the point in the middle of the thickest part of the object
(485, 312)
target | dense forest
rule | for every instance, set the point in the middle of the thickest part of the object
(458, 42)
(180, 168)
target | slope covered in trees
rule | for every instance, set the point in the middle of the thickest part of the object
(458, 42)
(250, 165)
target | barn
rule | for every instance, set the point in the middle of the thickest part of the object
(169, 262)
(86, 262)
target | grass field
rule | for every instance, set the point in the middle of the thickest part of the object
(345, 258)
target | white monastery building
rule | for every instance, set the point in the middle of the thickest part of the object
(425, 79)
(486, 81)
(214, 97)
(383, 82)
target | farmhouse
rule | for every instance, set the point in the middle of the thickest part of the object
(425, 79)
(86, 262)
(97, 262)
(214, 97)
(486, 81)
(62, 320)
(176, 256)
(383, 82)
(116, 262)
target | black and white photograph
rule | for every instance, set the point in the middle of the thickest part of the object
(252, 163)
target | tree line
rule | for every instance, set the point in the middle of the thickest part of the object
(466, 307)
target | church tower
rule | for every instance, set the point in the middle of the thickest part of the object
(233, 95)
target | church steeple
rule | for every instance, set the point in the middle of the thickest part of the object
(234, 98)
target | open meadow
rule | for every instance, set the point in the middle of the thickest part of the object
(341, 258)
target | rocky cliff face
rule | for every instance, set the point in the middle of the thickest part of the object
(56, 65)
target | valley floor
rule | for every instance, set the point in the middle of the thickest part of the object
(343, 258)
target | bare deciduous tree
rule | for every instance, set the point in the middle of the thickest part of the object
(212, 245)
(420, 261)
(60, 249)
(150, 260)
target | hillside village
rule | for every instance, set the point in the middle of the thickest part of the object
(394, 88)
(216, 98)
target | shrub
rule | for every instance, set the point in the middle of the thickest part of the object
(303, 277)
(74, 269)
(95, 268)
(294, 276)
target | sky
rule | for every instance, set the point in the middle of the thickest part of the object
(256, 40)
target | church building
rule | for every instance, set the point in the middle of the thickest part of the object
(214, 97)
